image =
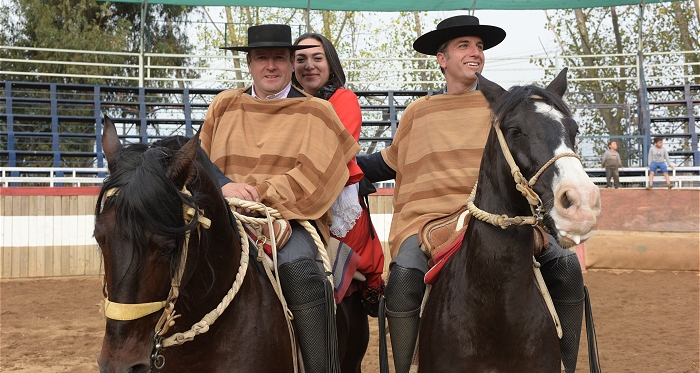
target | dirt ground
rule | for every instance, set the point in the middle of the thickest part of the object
(647, 322)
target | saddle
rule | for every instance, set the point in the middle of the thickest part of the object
(437, 234)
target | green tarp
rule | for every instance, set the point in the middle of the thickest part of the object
(403, 5)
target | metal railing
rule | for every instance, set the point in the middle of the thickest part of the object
(51, 176)
(632, 177)
(391, 73)
(638, 177)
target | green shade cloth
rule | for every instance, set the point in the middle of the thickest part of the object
(404, 5)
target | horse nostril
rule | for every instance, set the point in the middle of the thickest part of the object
(141, 368)
(565, 201)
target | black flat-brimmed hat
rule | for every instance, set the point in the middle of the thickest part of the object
(455, 27)
(269, 36)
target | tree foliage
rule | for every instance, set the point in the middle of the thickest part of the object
(88, 25)
(606, 97)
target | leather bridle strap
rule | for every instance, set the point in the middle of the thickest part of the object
(521, 184)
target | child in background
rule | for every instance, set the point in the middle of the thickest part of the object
(658, 158)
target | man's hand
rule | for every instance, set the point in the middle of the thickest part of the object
(241, 191)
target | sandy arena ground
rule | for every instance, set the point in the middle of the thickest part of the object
(647, 322)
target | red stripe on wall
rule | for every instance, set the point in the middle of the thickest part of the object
(50, 191)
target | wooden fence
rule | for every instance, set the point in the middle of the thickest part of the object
(49, 231)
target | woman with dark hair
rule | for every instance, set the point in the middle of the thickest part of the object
(318, 72)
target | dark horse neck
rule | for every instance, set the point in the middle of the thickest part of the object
(215, 259)
(503, 256)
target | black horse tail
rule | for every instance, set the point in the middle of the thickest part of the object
(593, 358)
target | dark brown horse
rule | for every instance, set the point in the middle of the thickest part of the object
(142, 234)
(485, 313)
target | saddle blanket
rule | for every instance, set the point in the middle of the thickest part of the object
(344, 261)
(441, 258)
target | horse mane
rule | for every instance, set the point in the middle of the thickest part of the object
(518, 94)
(146, 197)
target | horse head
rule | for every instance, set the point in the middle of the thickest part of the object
(141, 231)
(540, 133)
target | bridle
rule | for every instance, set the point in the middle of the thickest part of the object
(523, 185)
(133, 311)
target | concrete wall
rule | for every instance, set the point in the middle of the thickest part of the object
(646, 229)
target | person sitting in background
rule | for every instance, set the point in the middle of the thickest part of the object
(612, 163)
(317, 70)
(658, 158)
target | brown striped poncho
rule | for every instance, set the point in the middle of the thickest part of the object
(294, 151)
(436, 154)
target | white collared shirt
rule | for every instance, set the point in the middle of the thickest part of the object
(281, 94)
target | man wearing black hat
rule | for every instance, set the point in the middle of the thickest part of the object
(435, 159)
(260, 139)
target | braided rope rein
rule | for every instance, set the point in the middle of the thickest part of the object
(167, 319)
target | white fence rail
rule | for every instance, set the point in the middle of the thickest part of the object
(632, 177)
(51, 176)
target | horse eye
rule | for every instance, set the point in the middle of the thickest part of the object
(514, 132)
(168, 249)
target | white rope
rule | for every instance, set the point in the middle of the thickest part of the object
(209, 319)
(270, 212)
(547, 297)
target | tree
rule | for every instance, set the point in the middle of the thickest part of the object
(84, 25)
(612, 35)
(90, 26)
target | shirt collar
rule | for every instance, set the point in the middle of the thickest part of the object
(281, 94)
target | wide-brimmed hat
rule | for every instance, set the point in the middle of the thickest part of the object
(269, 36)
(455, 27)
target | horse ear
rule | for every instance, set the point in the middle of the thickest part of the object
(492, 91)
(110, 140)
(558, 85)
(181, 169)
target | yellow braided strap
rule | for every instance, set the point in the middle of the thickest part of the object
(129, 311)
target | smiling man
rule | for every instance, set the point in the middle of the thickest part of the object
(435, 158)
(260, 139)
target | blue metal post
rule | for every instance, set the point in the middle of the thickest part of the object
(691, 125)
(188, 115)
(142, 115)
(12, 161)
(98, 127)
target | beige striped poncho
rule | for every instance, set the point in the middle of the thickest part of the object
(436, 154)
(294, 151)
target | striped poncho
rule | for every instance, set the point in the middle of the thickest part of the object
(436, 154)
(294, 151)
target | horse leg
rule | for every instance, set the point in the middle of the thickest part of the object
(309, 296)
(562, 274)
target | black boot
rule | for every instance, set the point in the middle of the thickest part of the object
(309, 296)
(562, 274)
(404, 294)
